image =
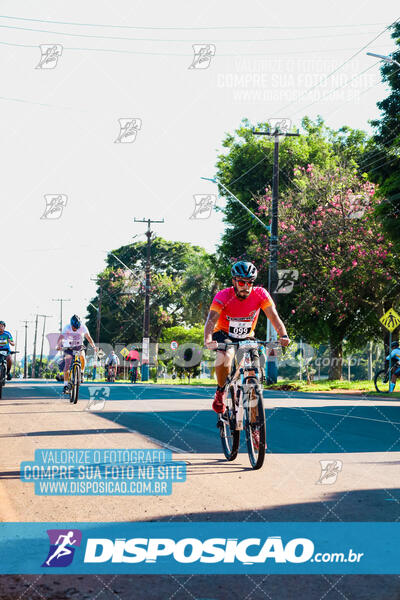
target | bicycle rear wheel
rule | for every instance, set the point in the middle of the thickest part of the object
(254, 423)
(75, 382)
(2, 378)
(381, 381)
(230, 436)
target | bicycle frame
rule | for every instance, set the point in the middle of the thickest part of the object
(240, 373)
(76, 361)
(74, 370)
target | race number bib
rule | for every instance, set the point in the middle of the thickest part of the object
(239, 329)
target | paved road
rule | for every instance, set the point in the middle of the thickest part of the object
(302, 430)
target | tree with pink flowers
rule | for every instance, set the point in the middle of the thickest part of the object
(346, 275)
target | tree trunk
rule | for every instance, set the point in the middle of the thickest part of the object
(336, 360)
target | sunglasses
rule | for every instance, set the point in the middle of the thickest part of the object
(243, 282)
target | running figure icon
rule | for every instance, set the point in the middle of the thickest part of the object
(62, 549)
(63, 543)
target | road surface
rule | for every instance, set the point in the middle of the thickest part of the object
(302, 430)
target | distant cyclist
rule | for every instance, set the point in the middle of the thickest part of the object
(133, 356)
(233, 316)
(111, 364)
(73, 334)
(395, 355)
(6, 340)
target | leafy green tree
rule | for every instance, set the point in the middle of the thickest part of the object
(346, 270)
(181, 277)
(184, 335)
(199, 287)
(246, 168)
(187, 357)
(387, 138)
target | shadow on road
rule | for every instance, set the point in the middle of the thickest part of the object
(354, 505)
(289, 430)
(59, 432)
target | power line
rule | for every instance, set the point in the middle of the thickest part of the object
(202, 40)
(186, 54)
(336, 89)
(339, 67)
(361, 94)
(188, 28)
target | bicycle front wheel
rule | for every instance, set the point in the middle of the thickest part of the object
(2, 378)
(76, 379)
(230, 436)
(381, 381)
(254, 424)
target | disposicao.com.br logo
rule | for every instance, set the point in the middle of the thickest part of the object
(62, 547)
(248, 551)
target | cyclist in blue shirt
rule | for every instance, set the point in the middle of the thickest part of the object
(6, 340)
(395, 354)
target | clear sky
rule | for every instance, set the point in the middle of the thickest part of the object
(130, 60)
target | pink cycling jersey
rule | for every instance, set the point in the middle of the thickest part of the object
(238, 318)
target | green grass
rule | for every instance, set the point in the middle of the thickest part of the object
(323, 386)
(286, 385)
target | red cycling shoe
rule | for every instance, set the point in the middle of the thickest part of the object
(218, 404)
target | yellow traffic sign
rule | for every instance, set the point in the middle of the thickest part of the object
(390, 320)
(124, 352)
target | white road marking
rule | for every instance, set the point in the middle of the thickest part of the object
(341, 415)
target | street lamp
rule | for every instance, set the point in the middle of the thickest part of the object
(387, 59)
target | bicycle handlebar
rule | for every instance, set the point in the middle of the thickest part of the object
(271, 345)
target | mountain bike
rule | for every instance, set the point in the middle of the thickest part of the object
(244, 403)
(75, 370)
(383, 378)
(3, 369)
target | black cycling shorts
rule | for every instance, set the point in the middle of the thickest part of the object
(222, 337)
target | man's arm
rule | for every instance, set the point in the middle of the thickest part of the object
(277, 323)
(211, 321)
(89, 339)
(11, 341)
(60, 339)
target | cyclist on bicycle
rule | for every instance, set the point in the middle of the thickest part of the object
(395, 355)
(73, 333)
(134, 357)
(112, 363)
(233, 316)
(6, 340)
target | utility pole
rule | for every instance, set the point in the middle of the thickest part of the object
(146, 316)
(41, 349)
(61, 300)
(25, 351)
(34, 349)
(15, 358)
(273, 240)
(98, 318)
(98, 324)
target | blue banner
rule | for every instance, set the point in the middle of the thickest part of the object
(199, 547)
